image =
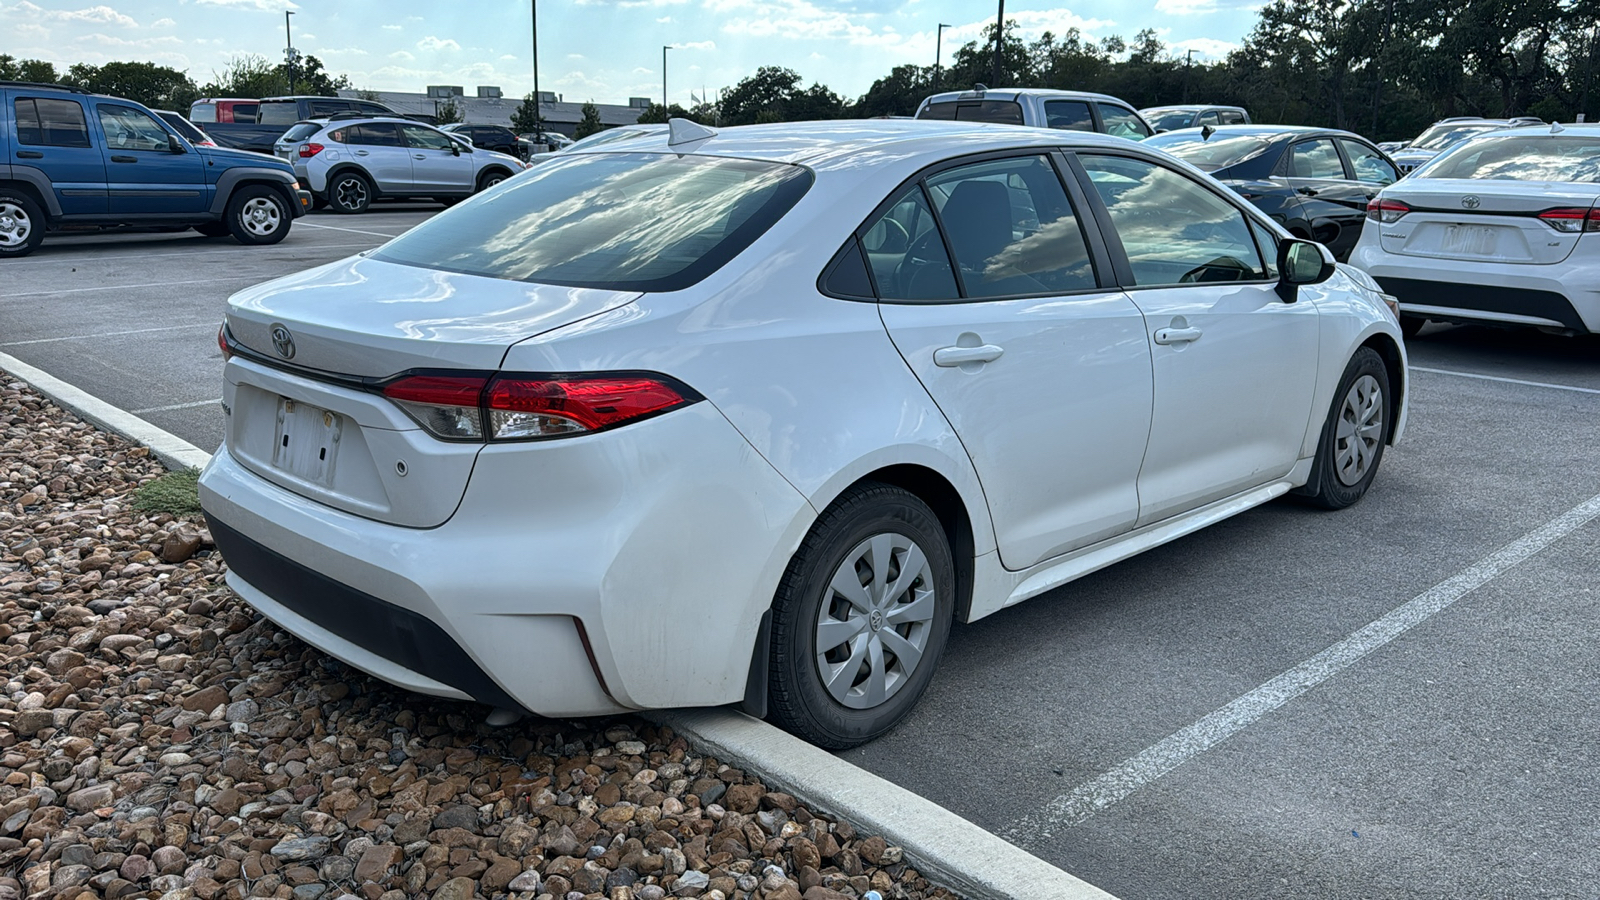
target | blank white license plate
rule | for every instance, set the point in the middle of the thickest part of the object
(1476, 240)
(307, 441)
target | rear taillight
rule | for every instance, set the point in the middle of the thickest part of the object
(1386, 211)
(519, 407)
(309, 150)
(222, 342)
(1572, 220)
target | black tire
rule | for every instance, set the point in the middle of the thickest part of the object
(257, 215)
(213, 229)
(22, 224)
(492, 177)
(1336, 486)
(349, 193)
(1410, 325)
(798, 698)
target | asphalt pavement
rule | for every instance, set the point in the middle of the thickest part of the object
(1135, 727)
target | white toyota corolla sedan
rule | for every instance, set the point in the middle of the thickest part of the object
(752, 416)
(1495, 230)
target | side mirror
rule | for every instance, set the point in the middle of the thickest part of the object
(1302, 262)
(455, 148)
(174, 145)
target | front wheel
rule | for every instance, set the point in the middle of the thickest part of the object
(861, 618)
(491, 178)
(21, 224)
(1353, 437)
(257, 215)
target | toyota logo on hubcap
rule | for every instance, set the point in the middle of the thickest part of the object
(283, 341)
(1470, 202)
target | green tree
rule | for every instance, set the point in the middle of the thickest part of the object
(896, 94)
(250, 76)
(525, 118)
(155, 86)
(311, 78)
(657, 114)
(447, 112)
(773, 94)
(369, 94)
(590, 123)
(37, 70)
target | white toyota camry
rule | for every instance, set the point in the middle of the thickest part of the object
(1495, 230)
(752, 416)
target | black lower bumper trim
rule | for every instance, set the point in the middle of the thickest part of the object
(377, 626)
(1485, 298)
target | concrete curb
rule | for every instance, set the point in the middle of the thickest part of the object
(174, 452)
(947, 848)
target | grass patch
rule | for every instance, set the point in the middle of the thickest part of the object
(177, 493)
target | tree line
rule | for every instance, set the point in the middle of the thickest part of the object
(1385, 68)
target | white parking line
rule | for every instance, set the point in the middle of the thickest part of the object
(195, 405)
(1158, 759)
(1543, 384)
(105, 334)
(351, 230)
(121, 287)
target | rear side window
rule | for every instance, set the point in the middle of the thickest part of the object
(1369, 165)
(301, 132)
(44, 122)
(281, 112)
(997, 112)
(1069, 115)
(906, 252)
(1122, 122)
(376, 134)
(616, 221)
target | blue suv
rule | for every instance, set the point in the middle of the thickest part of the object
(69, 157)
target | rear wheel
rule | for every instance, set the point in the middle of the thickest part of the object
(349, 192)
(257, 215)
(860, 618)
(1353, 437)
(21, 224)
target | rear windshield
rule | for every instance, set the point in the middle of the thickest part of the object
(1441, 136)
(300, 132)
(999, 112)
(616, 221)
(1522, 158)
(1169, 119)
(1192, 148)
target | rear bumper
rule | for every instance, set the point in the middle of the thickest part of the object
(624, 570)
(1565, 295)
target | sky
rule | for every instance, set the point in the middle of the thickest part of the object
(601, 50)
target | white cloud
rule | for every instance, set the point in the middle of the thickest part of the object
(664, 20)
(268, 5)
(163, 23)
(342, 51)
(696, 45)
(576, 56)
(106, 40)
(506, 57)
(1208, 47)
(1185, 7)
(392, 27)
(98, 15)
(305, 37)
(433, 44)
(402, 56)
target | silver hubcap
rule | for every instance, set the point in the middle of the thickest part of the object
(875, 621)
(260, 216)
(15, 226)
(351, 193)
(493, 180)
(1359, 430)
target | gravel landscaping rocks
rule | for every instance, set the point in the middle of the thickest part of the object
(160, 740)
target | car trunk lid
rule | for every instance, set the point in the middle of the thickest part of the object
(1483, 220)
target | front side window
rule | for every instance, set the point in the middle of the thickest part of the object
(426, 138)
(615, 221)
(1369, 164)
(1068, 115)
(1173, 229)
(1122, 122)
(1232, 117)
(1012, 230)
(44, 122)
(127, 128)
(1315, 159)
(1522, 157)
(1209, 117)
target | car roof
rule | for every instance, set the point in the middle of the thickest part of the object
(840, 144)
(1016, 93)
(1188, 107)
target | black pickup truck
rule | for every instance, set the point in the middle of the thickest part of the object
(274, 115)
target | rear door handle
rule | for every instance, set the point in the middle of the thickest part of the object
(29, 154)
(361, 152)
(1309, 192)
(955, 356)
(1177, 335)
(132, 159)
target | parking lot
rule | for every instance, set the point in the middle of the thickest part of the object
(1133, 727)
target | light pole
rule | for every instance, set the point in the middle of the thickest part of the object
(938, 56)
(288, 52)
(999, 35)
(1188, 63)
(664, 49)
(538, 120)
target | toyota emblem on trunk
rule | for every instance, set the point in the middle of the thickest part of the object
(1470, 201)
(282, 341)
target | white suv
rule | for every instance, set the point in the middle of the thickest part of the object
(349, 161)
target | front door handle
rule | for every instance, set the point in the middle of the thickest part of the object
(418, 156)
(29, 154)
(1177, 335)
(1307, 191)
(950, 357)
(132, 159)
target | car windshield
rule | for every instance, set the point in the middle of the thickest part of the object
(182, 126)
(1522, 158)
(1441, 136)
(1191, 147)
(624, 221)
(1169, 119)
